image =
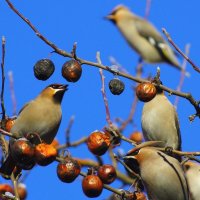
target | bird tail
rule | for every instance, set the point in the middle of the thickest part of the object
(7, 167)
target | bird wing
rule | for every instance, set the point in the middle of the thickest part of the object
(178, 130)
(150, 33)
(24, 107)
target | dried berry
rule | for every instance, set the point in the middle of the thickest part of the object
(98, 143)
(140, 196)
(22, 152)
(6, 188)
(92, 186)
(45, 154)
(43, 69)
(107, 173)
(72, 70)
(68, 170)
(136, 136)
(55, 143)
(22, 191)
(145, 92)
(116, 86)
(9, 123)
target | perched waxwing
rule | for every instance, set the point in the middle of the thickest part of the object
(162, 175)
(160, 121)
(192, 172)
(41, 116)
(143, 37)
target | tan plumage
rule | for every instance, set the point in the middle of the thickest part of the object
(162, 175)
(41, 116)
(192, 172)
(142, 36)
(160, 121)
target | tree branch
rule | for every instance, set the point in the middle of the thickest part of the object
(178, 49)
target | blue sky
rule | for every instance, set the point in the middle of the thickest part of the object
(65, 22)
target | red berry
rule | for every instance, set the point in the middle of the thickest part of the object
(98, 143)
(45, 154)
(6, 188)
(22, 192)
(9, 123)
(72, 70)
(136, 136)
(107, 173)
(145, 92)
(22, 151)
(92, 186)
(68, 170)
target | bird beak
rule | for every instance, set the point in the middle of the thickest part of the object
(63, 87)
(110, 17)
(128, 157)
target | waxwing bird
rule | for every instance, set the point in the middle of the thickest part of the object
(160, 121)
(192, 172)
(41, 116)
(162, 175)
(143, 37)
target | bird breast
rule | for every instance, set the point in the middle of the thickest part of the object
(158, 122)
(42, 118)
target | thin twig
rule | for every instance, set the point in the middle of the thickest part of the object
(12, 92)
(112, 157)
(73, 144)
(128, 140)
(3, 78)
(147, 9)
(139, 70)
(68, 130)
(182, 78)
(74, 51)
(15, 186)
(181, 153)
(195, 67)
(103, 91)
(3, 142)
(116, 64)
(3, 132)
(130, 116)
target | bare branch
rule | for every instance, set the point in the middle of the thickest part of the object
(182, 78)
(12, 92)
(68, 130)
(3, 78)
(103, 91)
(147, 9)
(178, 49)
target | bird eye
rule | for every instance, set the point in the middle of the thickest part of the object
(136, 152)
